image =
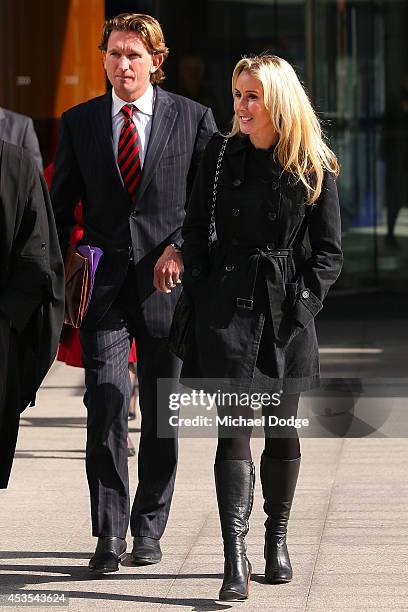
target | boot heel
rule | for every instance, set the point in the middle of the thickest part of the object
(123, 556)
(230, 594)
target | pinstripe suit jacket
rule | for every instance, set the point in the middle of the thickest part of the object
(85, 168)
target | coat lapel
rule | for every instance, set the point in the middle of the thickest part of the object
(164, 116)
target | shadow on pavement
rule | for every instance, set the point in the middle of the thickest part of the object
(12, 582)
(27, 421)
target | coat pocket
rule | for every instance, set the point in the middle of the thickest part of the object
(291, 290)
(288, 325)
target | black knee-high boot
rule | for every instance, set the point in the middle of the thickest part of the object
(234, 482)
(278, 478)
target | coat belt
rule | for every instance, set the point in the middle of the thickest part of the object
(275, 282)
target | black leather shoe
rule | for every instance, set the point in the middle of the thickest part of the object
(146, 551)
(110, 551)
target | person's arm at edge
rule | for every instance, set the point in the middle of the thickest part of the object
(67, 186)
(31, 144)
(170, 264)
(196, 227)
(29, 273)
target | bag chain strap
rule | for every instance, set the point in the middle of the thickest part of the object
(215, 188)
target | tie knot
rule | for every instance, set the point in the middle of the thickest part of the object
(127, 110)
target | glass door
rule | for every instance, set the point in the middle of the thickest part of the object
(359, 80)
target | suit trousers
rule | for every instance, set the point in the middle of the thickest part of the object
(105, 351)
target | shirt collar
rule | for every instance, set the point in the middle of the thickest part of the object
(144, 104)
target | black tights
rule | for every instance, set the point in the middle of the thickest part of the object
(277, 444)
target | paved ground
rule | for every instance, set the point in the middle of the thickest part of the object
(348, 533)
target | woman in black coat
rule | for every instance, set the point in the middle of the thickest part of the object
(255, 294)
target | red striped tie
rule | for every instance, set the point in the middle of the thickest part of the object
(128, 152)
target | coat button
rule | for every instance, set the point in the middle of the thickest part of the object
(305, 294)
(195, 272)
(236, 182)
(235, 212)
(272, 216)
(270, 246)
(275, 184)
(229, 268)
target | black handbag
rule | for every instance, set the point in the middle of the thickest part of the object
(181, 326)
(183, 318)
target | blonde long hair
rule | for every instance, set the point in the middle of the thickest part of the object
(300, 148)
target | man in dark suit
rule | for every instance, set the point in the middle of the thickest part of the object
(19, 130)
(131, 156)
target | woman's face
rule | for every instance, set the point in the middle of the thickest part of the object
(250, 110)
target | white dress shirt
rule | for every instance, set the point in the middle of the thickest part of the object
(142, 118)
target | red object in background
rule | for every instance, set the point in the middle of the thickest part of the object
(69, 350)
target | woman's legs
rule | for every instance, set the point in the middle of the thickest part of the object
(229, 449)
(234, 441)
(282, 442)
(132, 406)
(234, 477)
(133, 397)
(280, 463)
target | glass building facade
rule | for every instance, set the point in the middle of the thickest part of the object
(352, 56)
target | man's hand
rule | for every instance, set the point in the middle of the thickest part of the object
(167, 270)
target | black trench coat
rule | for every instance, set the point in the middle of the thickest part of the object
(255, 295)
(31, 292)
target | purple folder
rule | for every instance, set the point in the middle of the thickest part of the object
(93, 255)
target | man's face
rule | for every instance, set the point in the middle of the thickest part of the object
(129, 65)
